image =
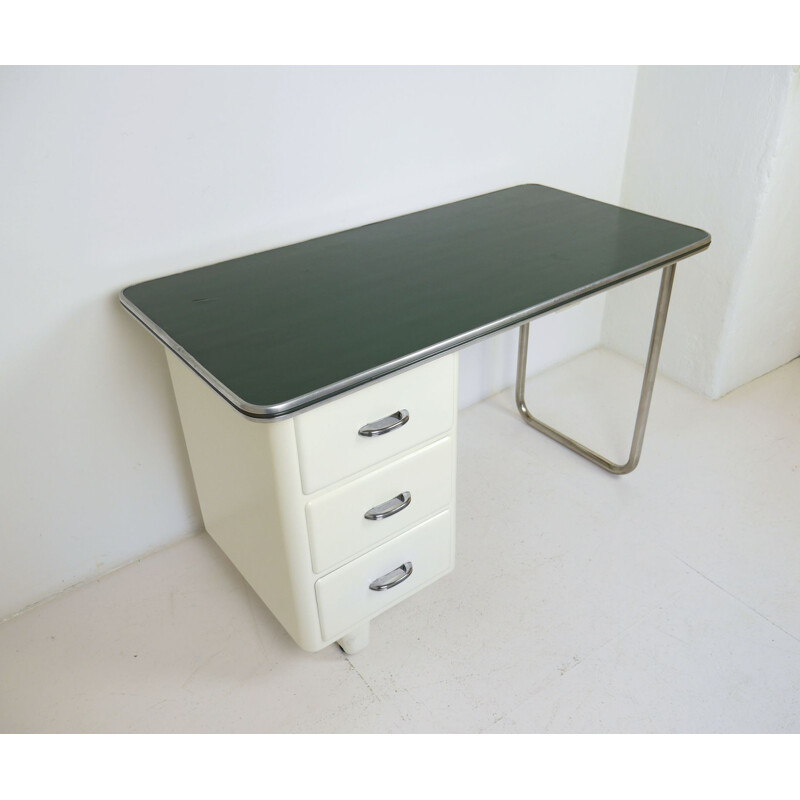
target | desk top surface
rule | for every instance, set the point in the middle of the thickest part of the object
(280, 331)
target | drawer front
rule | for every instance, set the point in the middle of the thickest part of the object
(328, 440)
(396, 496)
(344, 597)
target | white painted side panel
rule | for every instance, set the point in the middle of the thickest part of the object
(248, 486)
(344, 596)
(327, 437)
(337, 528)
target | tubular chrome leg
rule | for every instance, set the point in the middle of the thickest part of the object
(667, 277)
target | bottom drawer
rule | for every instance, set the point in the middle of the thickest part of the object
(344, 597)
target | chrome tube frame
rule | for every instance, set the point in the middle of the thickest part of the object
(651, 366)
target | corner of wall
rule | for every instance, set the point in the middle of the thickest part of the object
(694, 157)
(761, 329)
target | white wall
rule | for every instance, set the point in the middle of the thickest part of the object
(715, 147)
(762, 327)
(111, 176)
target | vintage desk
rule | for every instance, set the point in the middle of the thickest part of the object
(317, 384)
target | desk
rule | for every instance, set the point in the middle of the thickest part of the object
(324, 457)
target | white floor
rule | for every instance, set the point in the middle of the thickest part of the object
(664, 601)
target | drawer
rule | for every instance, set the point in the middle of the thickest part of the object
(344, 598)
(413, 487)
(328, 440)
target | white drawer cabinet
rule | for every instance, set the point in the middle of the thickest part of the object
(312, 512)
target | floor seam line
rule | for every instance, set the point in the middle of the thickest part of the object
(737, 599)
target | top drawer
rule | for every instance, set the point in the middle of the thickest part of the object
(328, 440)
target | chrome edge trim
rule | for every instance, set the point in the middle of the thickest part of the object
(290, 408)
(190, 361)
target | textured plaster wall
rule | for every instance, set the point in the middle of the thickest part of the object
(716, 148)
(762, 328)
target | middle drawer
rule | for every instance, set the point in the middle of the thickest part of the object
(396, 496)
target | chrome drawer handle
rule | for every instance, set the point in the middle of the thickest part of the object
(381, 426)
(393, 578)
(390, 507)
